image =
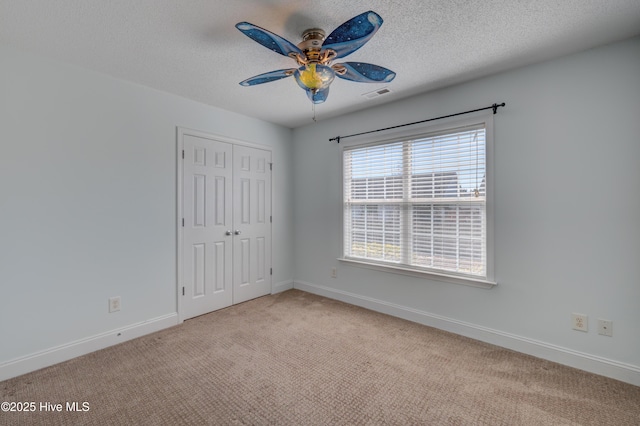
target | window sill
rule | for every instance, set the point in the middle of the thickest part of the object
(454, 279)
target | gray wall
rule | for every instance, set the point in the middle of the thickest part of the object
(567, 238)
(88, 201)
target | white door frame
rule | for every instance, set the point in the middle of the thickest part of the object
(180, 133)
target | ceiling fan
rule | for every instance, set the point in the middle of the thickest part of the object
(315, 54)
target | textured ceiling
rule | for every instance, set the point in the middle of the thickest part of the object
(192, 49)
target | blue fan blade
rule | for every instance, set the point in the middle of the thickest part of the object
(353, 34)
(268, 77)
(365, 73)
(268, 39)
(319, 96)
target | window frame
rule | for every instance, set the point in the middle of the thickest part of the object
(481, 118)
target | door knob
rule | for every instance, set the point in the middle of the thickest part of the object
(237, 232)
(228, 233)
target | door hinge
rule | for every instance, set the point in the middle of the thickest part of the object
(270, 166)
(183, 154)
(183, 291)
(183, 222)
(270, 271)
(270, 219)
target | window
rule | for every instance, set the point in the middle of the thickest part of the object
(419, 203)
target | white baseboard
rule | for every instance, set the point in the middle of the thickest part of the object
(282, 286)
(594, 364)
(80, 347)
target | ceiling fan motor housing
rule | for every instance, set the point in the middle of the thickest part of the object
(311, 43)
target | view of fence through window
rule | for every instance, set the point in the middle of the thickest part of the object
(420, 203)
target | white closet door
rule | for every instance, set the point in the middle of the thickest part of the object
(252, 223)
(207, 209)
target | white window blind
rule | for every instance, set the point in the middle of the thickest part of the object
(419, 203)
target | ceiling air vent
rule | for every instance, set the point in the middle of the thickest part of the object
(377, 93)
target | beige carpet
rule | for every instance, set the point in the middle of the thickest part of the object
(299, 359)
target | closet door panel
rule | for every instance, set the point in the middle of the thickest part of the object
(207, 263)
(252, 223)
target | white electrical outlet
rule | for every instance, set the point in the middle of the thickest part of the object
(334, 272)
(605, 327)
(580, 322)
(114, 304)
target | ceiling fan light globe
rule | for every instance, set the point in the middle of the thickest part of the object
(314, 76)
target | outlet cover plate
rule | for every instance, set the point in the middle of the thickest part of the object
(580, 322)
(114, 304)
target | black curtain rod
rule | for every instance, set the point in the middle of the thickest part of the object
(494, 107)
